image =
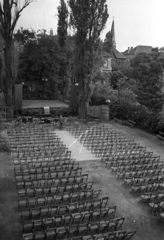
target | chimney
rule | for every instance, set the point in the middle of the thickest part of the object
(51, 32)
(129, 49)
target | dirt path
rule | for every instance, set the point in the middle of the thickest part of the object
(78, 151)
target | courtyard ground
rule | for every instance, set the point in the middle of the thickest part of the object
(137, 216)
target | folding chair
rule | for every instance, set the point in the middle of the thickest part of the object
(35, 213)
(67, 220)
(32, 202)
(27, 226)
(50, 234)
(41, 201)
(58, 221)
(94, 228)
(44, 211)
(53, 211)
(104, 202)
(83, 229)
(48, 223)
(62, 232)
(28, 236)
(37, 225)
(111, 236)
(72, 231)
(39, 236)
(76, 218)
(25, 214)
(62, 210)
(120, 235)
(22, 203)
(129, 235)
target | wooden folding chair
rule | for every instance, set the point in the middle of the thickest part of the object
(25, 214)
(28, 236)
(50, 234)
(72, 231)
(38, 225)
(27, 226)
(129, 235)
(39, 235)
(35, 213)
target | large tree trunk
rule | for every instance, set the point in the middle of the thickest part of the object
(8, 79)
(82, 100)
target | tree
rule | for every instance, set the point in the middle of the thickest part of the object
(62, 39)
(87, 19)
(108, 42)
(147, 69)
(40, 64)
(10, 11)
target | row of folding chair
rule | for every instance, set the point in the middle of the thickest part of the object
(37, 149)
(152, 197)
(19, 170)
(56, 153)
(50, 234)
(24, 144)
(132, 161)
(141, 167)
(102, 214)
(40, 160)
(25, 166)
(139, 173)
(58, 199)
(47, 174)
(52, 181)
(70, 208)
(145, 187)
(139, 180)
(49, 190)
(140, 161)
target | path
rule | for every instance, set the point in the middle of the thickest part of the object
(78, 151)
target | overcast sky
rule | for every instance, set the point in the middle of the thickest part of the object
(137, 22)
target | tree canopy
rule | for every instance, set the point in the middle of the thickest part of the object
(147, 69)
(10, 11)
(39, 63)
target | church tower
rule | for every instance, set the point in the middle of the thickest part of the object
(113, 35)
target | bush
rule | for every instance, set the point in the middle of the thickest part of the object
(4, 145)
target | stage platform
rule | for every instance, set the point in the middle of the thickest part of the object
(43, 103)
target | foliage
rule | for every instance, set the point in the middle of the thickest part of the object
(115, 77)
(108, 42)
(39, 65)
(100, 93)
(22, 36)
(147, 69)
(62, 24)
(4, 145)
(87, 19)
(9, 14)
(62, 40)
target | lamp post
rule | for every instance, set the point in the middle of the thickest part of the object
(108, 102)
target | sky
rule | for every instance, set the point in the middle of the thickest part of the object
(137, 22)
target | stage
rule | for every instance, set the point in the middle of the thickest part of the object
(43, 103)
